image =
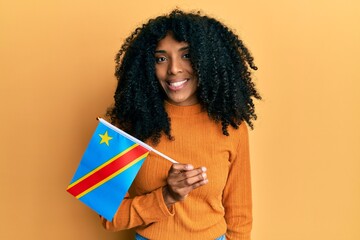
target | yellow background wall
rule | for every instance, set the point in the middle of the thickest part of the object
(56, 75)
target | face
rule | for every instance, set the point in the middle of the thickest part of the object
(174, 71)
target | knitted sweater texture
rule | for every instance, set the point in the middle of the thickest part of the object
(223, 206)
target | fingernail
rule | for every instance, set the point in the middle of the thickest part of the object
(203, 169)
(189, 167)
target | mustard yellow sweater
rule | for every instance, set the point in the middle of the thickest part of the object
(221, 206)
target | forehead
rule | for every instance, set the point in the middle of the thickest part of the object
(169, 42)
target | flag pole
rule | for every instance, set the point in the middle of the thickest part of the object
(135, 139)
(163, 155)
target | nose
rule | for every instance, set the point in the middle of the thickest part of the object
(175, 67)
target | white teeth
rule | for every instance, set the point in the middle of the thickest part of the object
(177, 84)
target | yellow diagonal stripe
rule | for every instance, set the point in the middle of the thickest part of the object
(112, 175)
(103, 165)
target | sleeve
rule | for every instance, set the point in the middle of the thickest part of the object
(139, 211)
(237, 199)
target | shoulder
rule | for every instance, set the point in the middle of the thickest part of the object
(240, 141)
(240, 133)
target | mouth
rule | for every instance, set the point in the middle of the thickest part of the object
(176, 85)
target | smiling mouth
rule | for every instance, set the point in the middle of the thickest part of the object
(177, 85)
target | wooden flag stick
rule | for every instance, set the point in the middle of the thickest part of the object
(135, 140)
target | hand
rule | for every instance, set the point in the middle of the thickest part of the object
(181, 180)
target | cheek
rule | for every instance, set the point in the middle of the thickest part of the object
(160, 77)
(160, 72)
(189, 68)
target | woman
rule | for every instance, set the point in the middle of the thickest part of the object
(185, 87)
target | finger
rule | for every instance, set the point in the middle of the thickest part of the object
(192, 173)
(183, 192)
(178, 167)
(192, 180)
(181, 176)
(199, 184)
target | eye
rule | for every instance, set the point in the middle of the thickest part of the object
(160, 59)
(186, 56)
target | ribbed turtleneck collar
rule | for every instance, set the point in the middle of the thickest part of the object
(174, 110)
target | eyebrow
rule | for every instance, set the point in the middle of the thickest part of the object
(180, 49)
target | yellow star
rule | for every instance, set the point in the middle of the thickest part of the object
(105, 138)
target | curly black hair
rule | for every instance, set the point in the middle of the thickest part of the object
(219, 58)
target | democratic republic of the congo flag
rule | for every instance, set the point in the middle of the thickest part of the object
(107, 169)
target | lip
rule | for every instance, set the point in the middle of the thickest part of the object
(175, 84)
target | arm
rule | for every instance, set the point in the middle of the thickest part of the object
(237, 193)
(159, 204)
(139, 211)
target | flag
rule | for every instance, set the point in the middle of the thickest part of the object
(107, 169)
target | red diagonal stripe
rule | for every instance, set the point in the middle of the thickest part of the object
(107, 170)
